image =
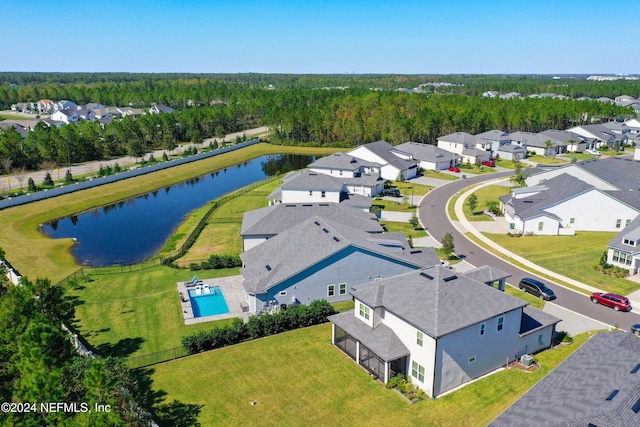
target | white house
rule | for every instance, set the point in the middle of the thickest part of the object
(45, 106)
(343, 165)
(491, 140)
(440, 328)
(599, 134)
(159, 108)
(430, 156)
(65, 105)
(66, 116)
(457, 142)
(565, 204)
(392, 165)
(624, 250)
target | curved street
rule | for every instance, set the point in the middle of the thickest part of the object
(432, 212)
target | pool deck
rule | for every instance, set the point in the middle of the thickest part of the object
(233, 294)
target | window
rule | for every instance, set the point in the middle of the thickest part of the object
(540, 226)
(311, 192)
(500, 323)
(482, 326)
(618, 223)
(283, 293)
(419, 338)
(472, 359)
(340, 172)
(417, 371)
(323, 194)
(331, 290)
(627, 222)
(572, 221)
(629, 242)
(364, 311)
(343, 288)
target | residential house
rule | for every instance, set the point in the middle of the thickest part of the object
(323, 259)
(392, 165)
(430, 156)
(45, 106)
(563, 141)
(599, 134)
(65, 116)
(261, 225)
(491, 94)
(131, 112)
(102, 113)
(511, 95)
(491, 140)
(5, 125)
(344, 166)
(94, 106)
(624, 250)
(565, 204)
(511, 151)
(64, 105)
(466, 145)
(597, 385)
(86, 114)
(159, 108)
(439, 327)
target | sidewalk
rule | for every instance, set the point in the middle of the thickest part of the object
(464, 226)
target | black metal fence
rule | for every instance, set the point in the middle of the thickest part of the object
(143, 360)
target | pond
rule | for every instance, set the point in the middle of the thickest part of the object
(135, 229)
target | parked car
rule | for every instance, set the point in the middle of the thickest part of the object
(592, 151)
(489, 163)
(392, 192)
(636, 329)
(618, 302)
(453, 169)
(536, 288)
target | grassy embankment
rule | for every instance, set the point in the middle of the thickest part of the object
(320, 385)
(35, 255)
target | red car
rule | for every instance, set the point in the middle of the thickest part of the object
(618, 302)
(453, 169)
(489, 163)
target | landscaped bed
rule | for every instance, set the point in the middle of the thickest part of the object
(315, 383)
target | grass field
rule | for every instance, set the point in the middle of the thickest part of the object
(136, 313)
(439, 175)
(544, 160)
(34, 255)
(571, 256)
(405, 227)
(533, 301)
(316, 384)
(484, 194)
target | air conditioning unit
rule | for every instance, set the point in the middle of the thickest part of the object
(526, 359)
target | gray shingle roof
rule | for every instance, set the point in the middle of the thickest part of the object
(342, 161)
(280, 217)
(385, 150)
(560, 137)
(486, 274)
(575, 393)
(534, 320)
(425, 299)
(459, 138)
(307, 180)
(381, 339)
(630, 232)
(621, 173)
(493, 135)
(428, 152)
(510, 148)
(312, 241)
(559, 188)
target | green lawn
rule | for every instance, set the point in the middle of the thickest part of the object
(136, 313)
(547, 160)
(490, 192)
(439, 175)
(316, 384)
(405, 227)
(533, 301)
(19, 233)
(395, 205)
(508, 164)
(571, 256)
(407, 188)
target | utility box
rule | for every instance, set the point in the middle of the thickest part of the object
(526, 360)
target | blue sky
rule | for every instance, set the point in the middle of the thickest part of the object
(312, 36)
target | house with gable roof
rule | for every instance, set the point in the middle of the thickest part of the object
(491, 140)
(438, 327)
(261, 225)
(464, 144)
(598, 135)
(624, 249)
(45, 106)
(597, 385)
(159, 108)
(323, 259)
(430, 156)
(565, 204)
(342, 165)
(392, 161)
(66, 116)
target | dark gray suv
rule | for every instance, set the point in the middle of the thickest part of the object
(536, 288)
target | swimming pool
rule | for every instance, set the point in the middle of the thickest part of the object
(208, 304)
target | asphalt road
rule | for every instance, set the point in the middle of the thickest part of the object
(433, 215)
